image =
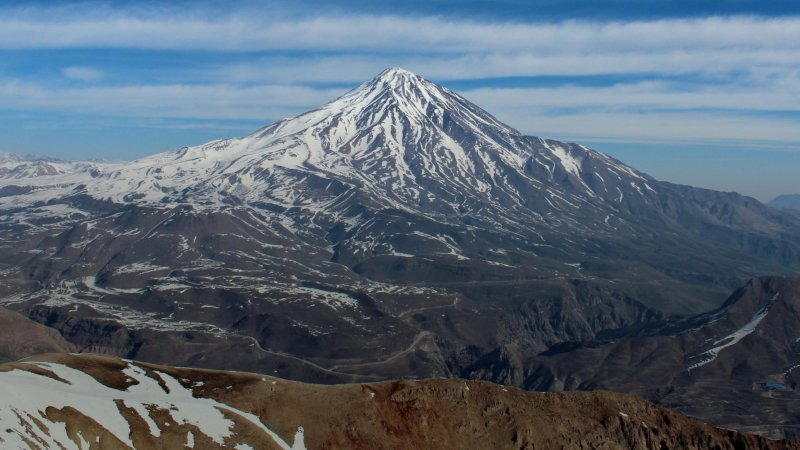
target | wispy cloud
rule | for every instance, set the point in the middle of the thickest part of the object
(83, 73)
(263, 102)
(54, 28)
(780, 95)
(625, 111)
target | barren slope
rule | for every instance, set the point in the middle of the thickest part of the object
(21, 337)
(101, 402)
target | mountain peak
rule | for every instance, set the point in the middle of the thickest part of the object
(401, 95)
(392, 75)
(401, 83)
(396, 71)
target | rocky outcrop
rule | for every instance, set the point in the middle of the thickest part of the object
(735, 366)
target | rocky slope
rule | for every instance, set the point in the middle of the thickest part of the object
(734, 367)
(84, 401)
(21, 337)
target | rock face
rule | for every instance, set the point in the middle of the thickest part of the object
(397, 231)
(109, 403)
(21, 337)
(734, 367)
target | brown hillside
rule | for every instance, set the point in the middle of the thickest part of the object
(430, 414)
(23, 337)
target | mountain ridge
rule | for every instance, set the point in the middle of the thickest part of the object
(149, 406)
(720, 366)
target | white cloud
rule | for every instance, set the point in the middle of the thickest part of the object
(83, 73)
(764, 64)
(169, 101)
(55, 28)
(647, 110)
(650, 110)
(660, 127)
(358, 46)
(781, 95)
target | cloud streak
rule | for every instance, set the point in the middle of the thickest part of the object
(263, 102)
(82, 73)
(614, 111)
(53, 28)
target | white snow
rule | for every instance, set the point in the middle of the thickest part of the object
(733, 338)
(140, 268)
(91, 283)
(570, 163)
(27, 395)
(70, 295)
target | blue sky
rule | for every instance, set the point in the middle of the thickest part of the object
(702, 93)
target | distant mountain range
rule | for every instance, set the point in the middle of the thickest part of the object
(398, 231)
(789, 203)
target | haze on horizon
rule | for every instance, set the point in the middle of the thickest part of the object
(707, 95)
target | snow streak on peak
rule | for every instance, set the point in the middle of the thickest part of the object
(394, 95)
(397, 74)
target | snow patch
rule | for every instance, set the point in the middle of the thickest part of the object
(570, 163)
(733, 338)
(26, 396)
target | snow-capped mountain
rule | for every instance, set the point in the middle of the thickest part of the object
(13, 167)
(398, 141)
(397, 230)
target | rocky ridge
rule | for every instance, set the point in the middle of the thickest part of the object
(110, 403)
